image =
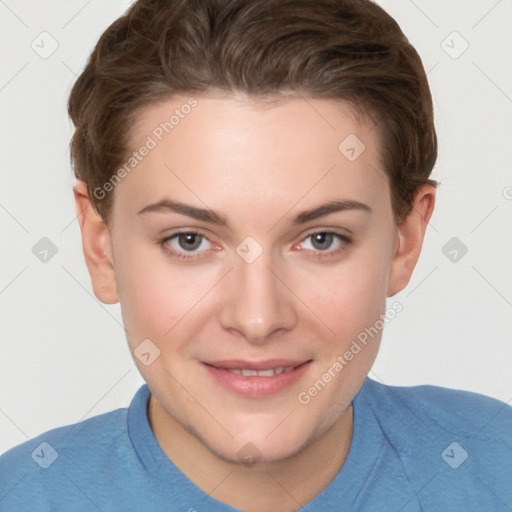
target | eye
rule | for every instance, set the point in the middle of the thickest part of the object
(321, 241)
(189, 242)
(325, 243)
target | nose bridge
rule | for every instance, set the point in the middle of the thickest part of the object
(256, 304)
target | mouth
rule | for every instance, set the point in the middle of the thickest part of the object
(257, 379)
(262, 373)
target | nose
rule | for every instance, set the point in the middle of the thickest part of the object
(256, 304)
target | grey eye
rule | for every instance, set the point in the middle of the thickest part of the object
(322, 241)
(189, 241)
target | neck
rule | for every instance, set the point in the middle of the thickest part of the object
(281, 486)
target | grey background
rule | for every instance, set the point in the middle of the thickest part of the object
(63, 355)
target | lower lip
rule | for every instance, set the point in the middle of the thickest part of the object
(256, 387)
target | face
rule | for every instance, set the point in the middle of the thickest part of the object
(252, 252)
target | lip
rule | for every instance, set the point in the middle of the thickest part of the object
(256, 386)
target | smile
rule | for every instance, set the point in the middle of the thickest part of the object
(262, 373)
(252, 379)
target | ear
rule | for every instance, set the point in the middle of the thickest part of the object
(97, 246)
(410, 233)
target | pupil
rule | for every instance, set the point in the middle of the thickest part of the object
(189, 241)
(322, 241)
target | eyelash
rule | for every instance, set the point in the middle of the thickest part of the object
(188, 255)
(330, 253)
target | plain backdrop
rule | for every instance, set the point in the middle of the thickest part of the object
(63, 355)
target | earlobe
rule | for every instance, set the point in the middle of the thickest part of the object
(97, 246)
(410, 233)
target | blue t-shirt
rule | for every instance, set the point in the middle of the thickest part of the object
(419, 448)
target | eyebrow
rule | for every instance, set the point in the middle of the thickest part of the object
(331, 207)
(207, 215)
(203, 214)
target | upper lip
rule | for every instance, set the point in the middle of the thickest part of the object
(267, 364)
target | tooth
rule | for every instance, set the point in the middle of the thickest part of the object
(266, 373)
(249, 373)
(262, 373)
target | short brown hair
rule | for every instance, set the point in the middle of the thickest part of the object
(350, 50)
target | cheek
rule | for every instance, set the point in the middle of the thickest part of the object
(161, 299)
(157, 297)
(351, 302)
(351, 297)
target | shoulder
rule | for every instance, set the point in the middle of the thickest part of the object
(99, 431)
(35, 468)
(452, 445)
(457, 413)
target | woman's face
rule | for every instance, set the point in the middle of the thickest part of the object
(252, 243)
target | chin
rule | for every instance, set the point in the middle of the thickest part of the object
(249, 453)
(262, 445)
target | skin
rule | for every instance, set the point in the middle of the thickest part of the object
(257, 164)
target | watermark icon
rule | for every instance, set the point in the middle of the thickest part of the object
(454, 45)
(507, 193)
(357, 345)
(454, 249)
(352, 147)
(45, 45)
(249, 454)
(249, 249)
(45, 455)
(44, 250)
(454, 455)
(157, 135)
(146, 352)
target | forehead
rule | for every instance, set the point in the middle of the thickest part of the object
(230, 150)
